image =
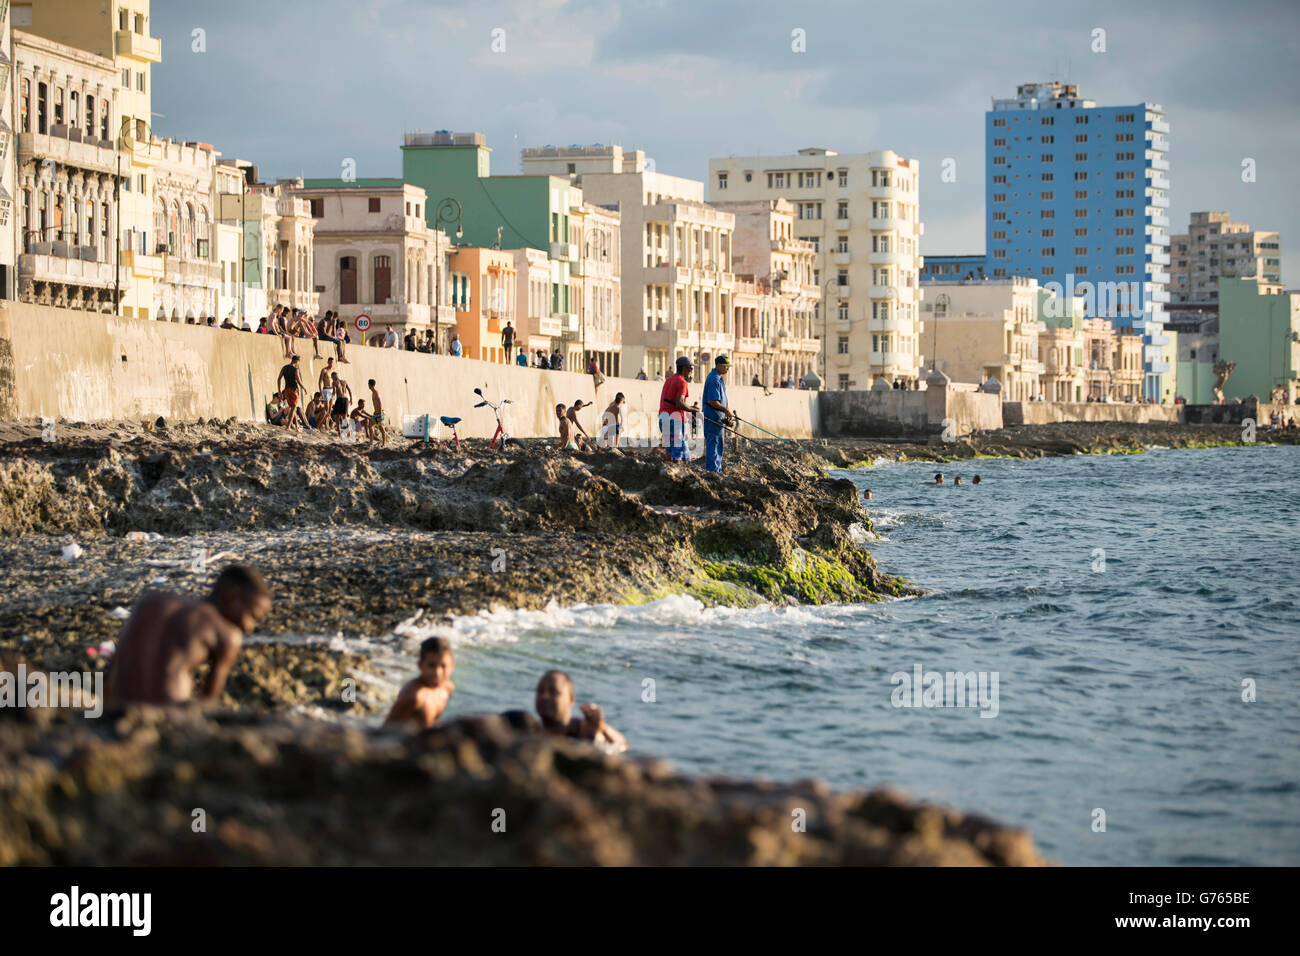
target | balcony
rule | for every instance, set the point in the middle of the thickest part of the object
(891, 258)
(578, 267)
(1158, 368)
(882, 292)
(843, 224)
(1157, 182)
(84, 153)
(1161, 164)
(47, 267)
(1156, 220)
(1159, 126)
(893, 193)
(568, 321)
(841, 291)
(890, 224)
(749, 343)
(1160, 258)
(192, 271)
(127, 43)
(566, 251)
(549, 326)
(843, 258)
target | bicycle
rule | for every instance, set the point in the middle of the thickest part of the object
(501, 428)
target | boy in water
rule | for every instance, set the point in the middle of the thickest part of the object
(423, 699)
(554, 702)
(167, 638)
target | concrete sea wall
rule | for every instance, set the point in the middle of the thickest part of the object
(60, 363)
(1046, 413)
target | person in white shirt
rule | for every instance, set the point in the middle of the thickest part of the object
(390, 339)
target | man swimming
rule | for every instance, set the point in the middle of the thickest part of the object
(423, 699)
(167, 637)
(938, 479)
(554, 701)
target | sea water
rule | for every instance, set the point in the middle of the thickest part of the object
(1138, 617)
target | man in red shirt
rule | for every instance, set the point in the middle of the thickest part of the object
(673, 409)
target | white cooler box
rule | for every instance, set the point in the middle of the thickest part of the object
(414, 426)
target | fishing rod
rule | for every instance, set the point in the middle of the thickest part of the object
(773, 434)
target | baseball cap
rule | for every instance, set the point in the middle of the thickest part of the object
(722, 360)
(684, 362)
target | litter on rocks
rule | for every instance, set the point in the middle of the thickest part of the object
(141, 536)
(72, 551)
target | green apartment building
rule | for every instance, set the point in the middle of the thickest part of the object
(505, 212)
(1259, 329)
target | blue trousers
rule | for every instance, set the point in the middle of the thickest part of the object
(713, 449)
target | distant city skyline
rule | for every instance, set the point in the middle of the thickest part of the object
(299, 94)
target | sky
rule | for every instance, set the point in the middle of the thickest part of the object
(301, 86)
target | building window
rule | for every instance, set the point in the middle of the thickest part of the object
(348, 280)
(374, 204)
(383, 279)
(722, 180)
(842, 345)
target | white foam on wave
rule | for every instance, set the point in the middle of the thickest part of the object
(677, 615)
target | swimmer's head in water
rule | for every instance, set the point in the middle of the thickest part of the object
(242, 597)
(554, 698)
(436, 661)
(938, 479)
(957, 480)
(976, 479)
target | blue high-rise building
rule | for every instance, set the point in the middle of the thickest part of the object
(1076, 195)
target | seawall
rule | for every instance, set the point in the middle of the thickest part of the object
(79, 366)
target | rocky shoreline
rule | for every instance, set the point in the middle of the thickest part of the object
(355, 540)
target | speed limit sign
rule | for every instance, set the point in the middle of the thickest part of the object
(363, 322)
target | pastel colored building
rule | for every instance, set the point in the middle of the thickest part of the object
(675, 266)
(499, 212)
(598, 289)
(1077, 195)
(120, 33)
(775, 317)
(1215, 247)
(487, 300)
(1259, 330)
(1061, 348)
(987, 329)
(375, 254)
(66, 176)
(861, 214)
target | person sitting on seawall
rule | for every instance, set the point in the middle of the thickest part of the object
(554, 701)
(455, 351)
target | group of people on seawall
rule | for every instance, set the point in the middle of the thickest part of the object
(331, 410)
(167, 638)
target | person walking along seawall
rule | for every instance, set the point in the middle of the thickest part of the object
(717, 414)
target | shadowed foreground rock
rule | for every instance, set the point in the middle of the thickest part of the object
(125, 790)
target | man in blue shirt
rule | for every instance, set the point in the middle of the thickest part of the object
(716, 413)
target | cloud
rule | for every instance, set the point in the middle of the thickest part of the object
(296, 88)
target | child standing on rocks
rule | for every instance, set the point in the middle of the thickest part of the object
(422, 701)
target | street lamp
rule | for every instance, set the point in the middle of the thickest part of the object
(448, 210)
(123, 137)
